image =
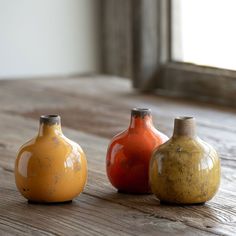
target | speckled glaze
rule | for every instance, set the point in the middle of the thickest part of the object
(185, 170)
(50, 168)
(129, 153)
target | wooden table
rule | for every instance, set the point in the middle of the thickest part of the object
(93, 110)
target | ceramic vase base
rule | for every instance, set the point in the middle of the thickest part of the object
(134, 193)
(49, 203)
(182, 204)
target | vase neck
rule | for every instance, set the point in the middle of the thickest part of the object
(185, 126)
(50, 125)
(140, 118)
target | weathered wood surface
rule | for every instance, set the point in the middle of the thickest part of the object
(116, 43)
(93, 110)
(199, 82)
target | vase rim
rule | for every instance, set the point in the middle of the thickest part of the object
(184, 118)
(140, 111)
(50, 119)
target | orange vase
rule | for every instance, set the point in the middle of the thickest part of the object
(129, 153)
(50, 168)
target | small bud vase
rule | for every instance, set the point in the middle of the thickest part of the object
(185, 170)
(129, 153)
(50, 168)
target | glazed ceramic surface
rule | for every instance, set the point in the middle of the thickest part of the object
(129, 153)
(185, 170)
(50, 167)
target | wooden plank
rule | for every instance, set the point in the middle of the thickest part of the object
(136, 39)
(146, 51)
(208, 118)
(117, 115)
(88, 109)
(215, 214)
(117, 37)
(88, 215)
(199, 82)
(164, 110)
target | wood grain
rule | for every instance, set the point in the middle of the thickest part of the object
(198, 82)
(116, 37)
(91, 116)
(146, 43)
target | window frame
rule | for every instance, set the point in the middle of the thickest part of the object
(173, 78)
(136, 43)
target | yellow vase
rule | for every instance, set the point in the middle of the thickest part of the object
(50, 168)
(185, 170)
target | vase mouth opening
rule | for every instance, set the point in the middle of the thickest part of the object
(140, 112)
(50, 119)
(185, 118)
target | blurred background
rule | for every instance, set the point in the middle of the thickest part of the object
(159, 44)
(49, 38)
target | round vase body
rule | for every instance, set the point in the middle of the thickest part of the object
(50, 168)
(185, 170)
(129, 153)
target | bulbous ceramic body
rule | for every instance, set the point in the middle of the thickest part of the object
(50, 167)
(129, 153)
(185, 170)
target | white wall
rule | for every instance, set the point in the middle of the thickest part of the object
(48, 37)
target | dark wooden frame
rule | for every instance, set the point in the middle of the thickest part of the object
(147, 55)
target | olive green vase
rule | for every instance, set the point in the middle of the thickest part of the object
(185, 169)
